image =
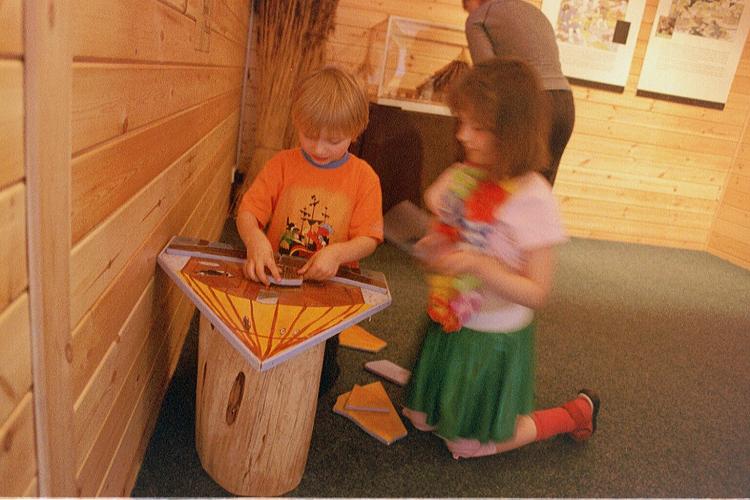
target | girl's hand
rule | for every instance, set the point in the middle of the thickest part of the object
(324, 264)
(452, 263)
(432, 246)
(259, 258)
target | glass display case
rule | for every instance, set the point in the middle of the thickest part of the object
(420, 59)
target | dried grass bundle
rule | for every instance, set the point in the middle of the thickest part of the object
(291, 36)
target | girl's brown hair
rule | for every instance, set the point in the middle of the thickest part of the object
(332, 99)
(505, 96)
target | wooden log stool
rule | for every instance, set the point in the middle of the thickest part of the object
(260, 355)
(253, 428)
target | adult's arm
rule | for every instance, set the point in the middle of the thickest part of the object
(480, 44)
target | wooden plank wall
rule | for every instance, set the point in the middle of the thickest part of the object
(730, 235)
(153, 122)
(156, 104)
(249, 112)
(637, 169)
(18, 464)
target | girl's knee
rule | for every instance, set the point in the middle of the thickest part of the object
(418, 419)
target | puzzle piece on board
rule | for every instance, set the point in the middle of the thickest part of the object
(385, 427)
(357, 337)
(289, 277)
(389, 371)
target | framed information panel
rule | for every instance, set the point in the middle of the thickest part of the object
(694, 49)
(596, 37)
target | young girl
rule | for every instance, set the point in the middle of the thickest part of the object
(493, 254)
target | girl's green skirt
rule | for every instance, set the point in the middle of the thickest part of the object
(474, 384)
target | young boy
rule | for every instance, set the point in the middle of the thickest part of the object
(318, 200)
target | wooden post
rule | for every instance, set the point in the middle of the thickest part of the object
(48, 86)
(252, 428)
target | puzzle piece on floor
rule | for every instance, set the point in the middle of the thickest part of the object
(386, 427)
(357, 337)
(389, 371)
(363, 399)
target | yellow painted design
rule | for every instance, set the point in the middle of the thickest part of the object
(270, 328)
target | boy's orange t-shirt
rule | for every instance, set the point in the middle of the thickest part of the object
(304, 206)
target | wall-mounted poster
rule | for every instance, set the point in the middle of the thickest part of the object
(694, 49)
(596, 37)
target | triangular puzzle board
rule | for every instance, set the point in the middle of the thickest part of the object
(269, 325)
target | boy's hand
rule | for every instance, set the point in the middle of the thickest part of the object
(324, 264)
(259, 258)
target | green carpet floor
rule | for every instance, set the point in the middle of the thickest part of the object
(662, 334)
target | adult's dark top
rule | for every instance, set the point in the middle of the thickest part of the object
(515, 28)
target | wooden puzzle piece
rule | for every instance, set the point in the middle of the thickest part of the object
(363, 399)
(357, 337)
(289, 275)
(389, 371)
(385, 427)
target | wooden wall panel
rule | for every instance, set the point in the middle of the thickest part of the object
(155, 115)
(180, 311)
(11, 34)
(11, 121)
(96, 400)
(117, 287)
(47, 89)
(110, 100)
(15, 355)
(249, 105)
(104, 252)
(730, 235)
(118, 130)
(228, 17)
(106, 177)
(148, 31)
(132, 410)
(18, 453)
(18, 458)
(13, 272)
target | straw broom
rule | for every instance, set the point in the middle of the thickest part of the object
(291, 40)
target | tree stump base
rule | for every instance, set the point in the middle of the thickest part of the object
(253, 428)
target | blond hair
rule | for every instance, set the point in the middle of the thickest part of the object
(505, 96)
(330, 99)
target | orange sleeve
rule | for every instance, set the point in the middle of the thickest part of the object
(260, 199)
(367, 218)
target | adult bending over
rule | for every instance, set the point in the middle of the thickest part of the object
(515, 28)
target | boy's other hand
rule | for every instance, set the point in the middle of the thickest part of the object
(260, 257)
(323, 265)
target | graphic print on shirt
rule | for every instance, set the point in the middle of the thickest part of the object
(309, 231)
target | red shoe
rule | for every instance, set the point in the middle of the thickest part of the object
(583, 410)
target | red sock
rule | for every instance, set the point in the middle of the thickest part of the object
(552, 422)
(572, 417)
